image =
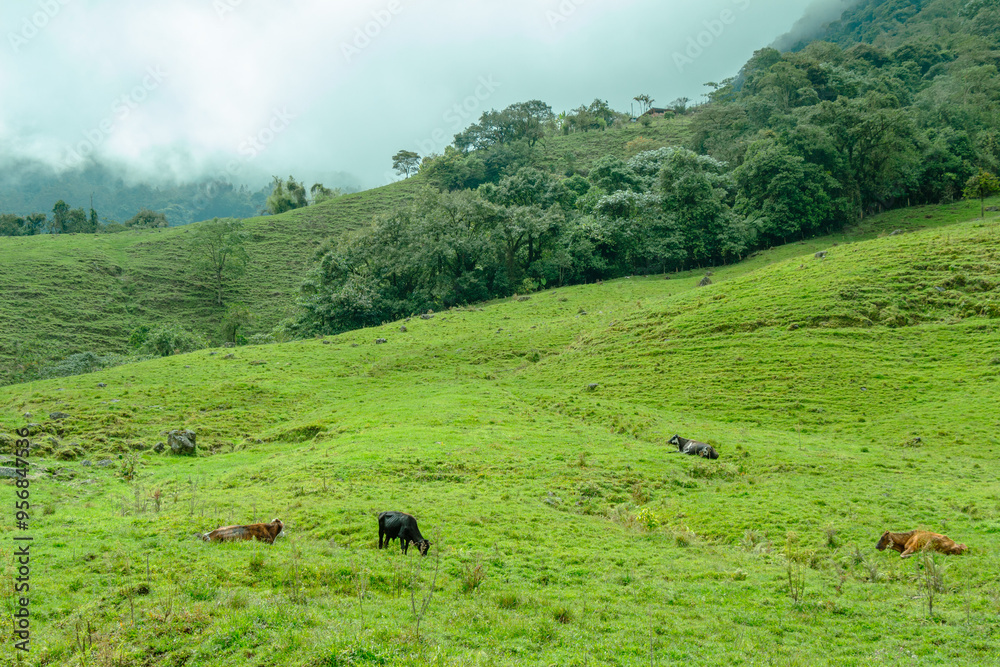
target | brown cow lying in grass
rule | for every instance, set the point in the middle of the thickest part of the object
(265, 532)
(918, 540)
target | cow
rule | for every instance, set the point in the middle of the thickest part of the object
(265, 532)
(397, 524)
(919, 540)
(693, 447)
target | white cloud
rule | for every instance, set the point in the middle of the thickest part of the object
(362, 78)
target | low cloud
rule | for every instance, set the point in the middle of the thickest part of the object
(817, 16)
(350, 83)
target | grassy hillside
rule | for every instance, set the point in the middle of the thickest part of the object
(67, 294)
(564, 533)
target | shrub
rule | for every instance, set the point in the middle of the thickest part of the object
(79, 364)
(171, 339)
(261, 339)
(138, 337)
(473, 574)
(647, 519)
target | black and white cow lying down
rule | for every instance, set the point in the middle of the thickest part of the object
(693, 447)
(398, 524)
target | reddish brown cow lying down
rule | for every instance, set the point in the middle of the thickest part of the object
(265, 532)
(918, 540)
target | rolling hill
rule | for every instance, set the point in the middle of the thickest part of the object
(67, 294)
(847, 394)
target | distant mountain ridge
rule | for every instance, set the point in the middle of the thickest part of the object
(31, 187)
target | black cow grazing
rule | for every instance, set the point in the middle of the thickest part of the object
(397, 524)
(693, 447)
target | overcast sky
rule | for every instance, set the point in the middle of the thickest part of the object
(323, 88)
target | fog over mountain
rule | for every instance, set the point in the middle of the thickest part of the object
(819, 15)
(240, 90)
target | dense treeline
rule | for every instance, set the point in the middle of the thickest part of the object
(284, 196)
(27, 187)
(659, 211)
(65, 220)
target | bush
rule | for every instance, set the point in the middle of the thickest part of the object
(473, 574)
(81, 363)
(147, 219)
(138, 337)
(171, 339)
(261, 339)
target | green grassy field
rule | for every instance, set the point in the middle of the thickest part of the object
(564, 533)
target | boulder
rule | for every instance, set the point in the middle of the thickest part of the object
(106, 463)
(426, 316)
(821, 255)
(58, 416)
(402, 329)
(101, 385)
(705, 282)
(8, 473)
(381, 341)
(159, 448)
(182, 442)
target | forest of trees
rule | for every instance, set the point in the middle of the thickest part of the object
(798, 144)
(282, 196)
(908, 119)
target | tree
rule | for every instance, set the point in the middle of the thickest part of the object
(787, 196)
(320, 193)
(454, 170)
(238, 316)
(60, 215)
(147, 219)
(982, 185)
(695, 191)
(76, 222)
(406, 163)
(286, 196)
(218, 248)
(15, 225)
(645, 103)
(611, 173)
